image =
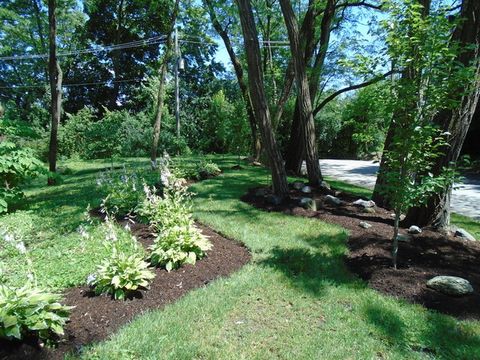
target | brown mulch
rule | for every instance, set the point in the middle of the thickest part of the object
(94, 318)
(427, 255)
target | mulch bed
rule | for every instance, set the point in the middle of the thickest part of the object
(96, 317)
(427, 254)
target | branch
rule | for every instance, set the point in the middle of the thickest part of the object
(350, 88)
(360, 3)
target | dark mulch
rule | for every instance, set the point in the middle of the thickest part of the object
(96, 317)
(427, 255)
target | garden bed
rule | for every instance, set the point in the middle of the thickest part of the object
(94, 318)
(426, 255)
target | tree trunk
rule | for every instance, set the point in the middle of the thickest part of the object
(436, 212)
(239, 73)
(258, 97)
(161, 89)
(55, 73)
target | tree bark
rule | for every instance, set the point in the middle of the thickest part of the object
(436, 212)
(161, 89)
(239, 73)
(258, 96)
(55, 74)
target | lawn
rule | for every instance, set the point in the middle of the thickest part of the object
(295, 300)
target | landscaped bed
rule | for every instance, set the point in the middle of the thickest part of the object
(94, 318)
(421, 257)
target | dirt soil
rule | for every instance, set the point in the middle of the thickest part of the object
(426, 255)
(94, 318)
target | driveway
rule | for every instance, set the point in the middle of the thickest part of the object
(465, 197)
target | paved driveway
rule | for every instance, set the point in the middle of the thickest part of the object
(465, 198)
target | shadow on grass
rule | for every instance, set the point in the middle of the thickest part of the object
(440, 337)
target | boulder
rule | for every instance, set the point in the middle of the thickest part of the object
(273, 200)
(414, 230)
(333, 200)
(450, 285)
(325, 185)
(308, 203)
(298, 185)
(364, 203)
(369, 210)
(307, 190)
(365, 225)
(464, 234)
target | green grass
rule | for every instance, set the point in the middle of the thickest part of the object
(295, 300)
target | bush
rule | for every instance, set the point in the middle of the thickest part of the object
(207, 170)
(31, 310)
(179, 245)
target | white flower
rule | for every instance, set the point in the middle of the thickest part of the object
(127, 227)
(9, 238)
(20, 246)
(91, 279)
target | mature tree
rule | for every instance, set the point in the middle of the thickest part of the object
(304, 99)
(258, 96)
(222, 30)
(55, 73)
(161, 86)
(455, 121)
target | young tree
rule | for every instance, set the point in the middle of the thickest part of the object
(304, 99)
(55, 73)
(161, 86)
(259, 100)
(455, 120)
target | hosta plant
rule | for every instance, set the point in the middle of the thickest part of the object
(207, 169)
(29, 310)
(121, 274)
(179, 245)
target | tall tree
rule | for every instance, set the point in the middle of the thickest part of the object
(55, 73)
(258, 96)
(161, 86)
(222, 31)
(304, 98)
(455, 121)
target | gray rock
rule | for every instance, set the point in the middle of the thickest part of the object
(364, 203)
(325, 185)
(261, 192)
(365, 225)
(404, 238)
(414, 230)
(464, 234)
(298, 185)
(333, 200)
(450, 285)
(273, 200)
(369, 210)
(307, 190)
(308, 203)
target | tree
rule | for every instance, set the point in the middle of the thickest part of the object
(455, 120)
(161, 87)
(55, 75)
(258, 96)
(304, 98)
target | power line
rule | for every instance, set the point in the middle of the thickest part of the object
(128, 45)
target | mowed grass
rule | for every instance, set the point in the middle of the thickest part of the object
(295, 300)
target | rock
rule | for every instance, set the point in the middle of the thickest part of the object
(307, 190)
(337, 193)
(273, 200)
(303, 171)
(365, 225)
(364, 203)
(414, 230)
(325, 185)
(333, 200)
(256, 163)
(464, 234)
(369, 210)
(261, 192)
(308, 203)
(404, 238)
(450, 285)
(298, 185)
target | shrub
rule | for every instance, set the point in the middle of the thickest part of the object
(207, 170)
(31, 310)
(179, 245)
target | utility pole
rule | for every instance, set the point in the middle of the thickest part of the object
(177, 85)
